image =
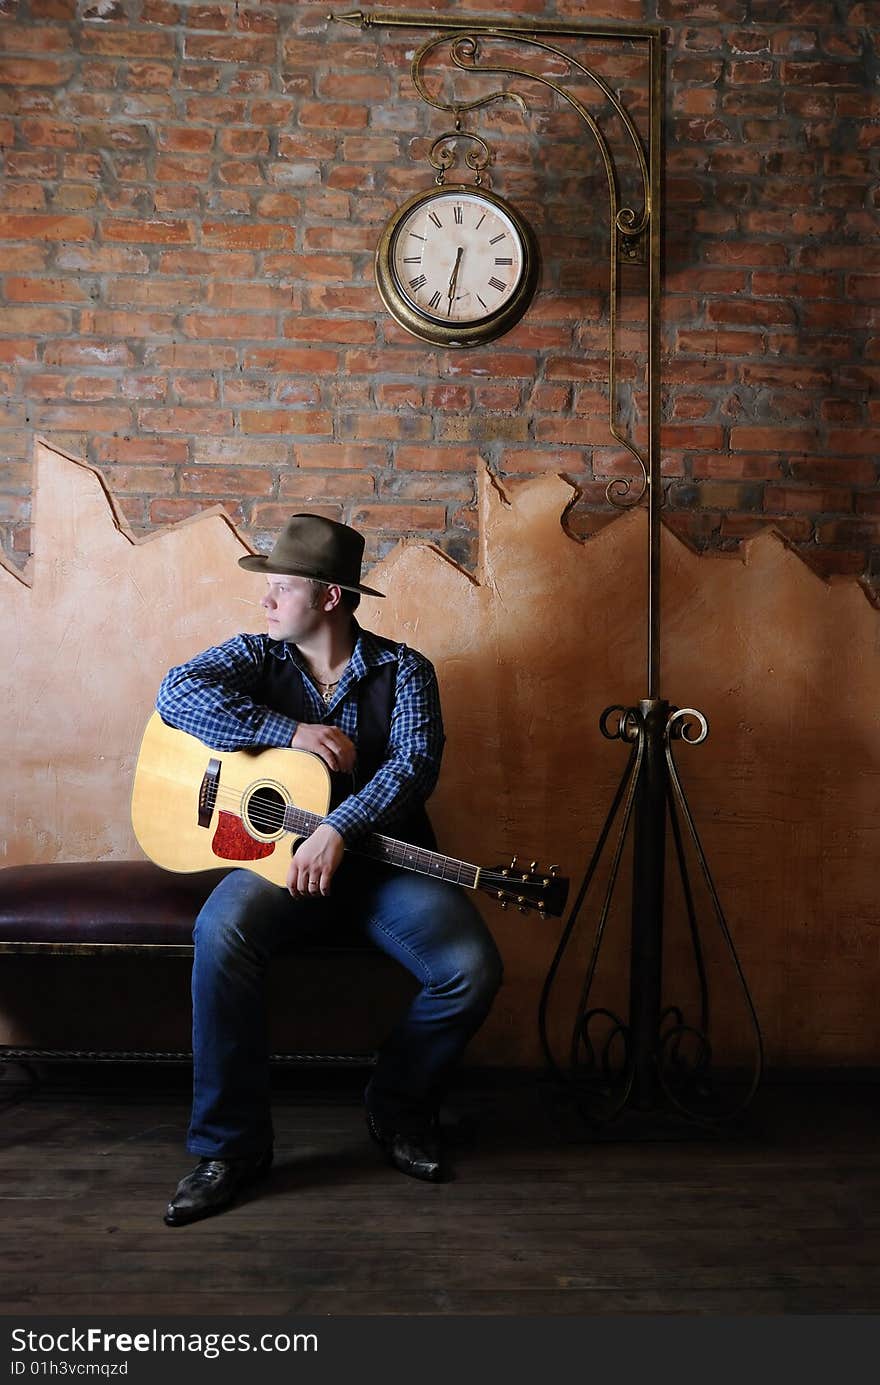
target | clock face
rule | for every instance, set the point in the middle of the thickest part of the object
(456, 266)
(457, 257)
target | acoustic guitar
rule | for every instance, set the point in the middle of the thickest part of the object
(193, 808)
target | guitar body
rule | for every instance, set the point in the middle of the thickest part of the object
(193, 808)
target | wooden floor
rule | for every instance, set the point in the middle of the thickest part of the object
(784, 1219)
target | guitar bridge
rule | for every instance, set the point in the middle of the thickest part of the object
(208, 793)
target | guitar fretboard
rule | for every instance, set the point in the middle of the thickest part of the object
(395, 853)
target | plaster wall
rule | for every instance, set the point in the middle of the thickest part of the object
(529, 651)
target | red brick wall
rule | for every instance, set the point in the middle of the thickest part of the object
(192, 194)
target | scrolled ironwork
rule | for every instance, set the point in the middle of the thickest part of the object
(627, 728)
(441, 157)
(679, 726)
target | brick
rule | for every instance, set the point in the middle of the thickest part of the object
(181, 420)
(126, 324)
(60, 228)
(126, 42)
(537, 460)
(300, 422)
(733, 466)
(809, 499)
(34, 72)
(744, 343)
(345, 238)
(246, 142)
(795, 285)
(865, 530)
(195, 390)
(333, 485)
(228, 235)
(857, 442)
(233, 49)
(692, 435)
(749, 312)
(437, 458)
(273, 516)
(279, 204)
(141, 451)
(319, 115)
(222, 481)
(83, 353)
(92, 387)
(293, 360)
(340, 455)
(28, 289)
(766, 439)
(182, 168)
(153, 232)
(175, 509)
(152, 291)
(349, 331)
(146, 480)
(372, 426)
(820, 74)
(482, 428)
(229, 326)
(103, 419)
(399, 517)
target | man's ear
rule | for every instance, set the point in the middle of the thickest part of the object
(332, 597)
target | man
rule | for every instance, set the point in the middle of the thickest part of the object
(370, 708)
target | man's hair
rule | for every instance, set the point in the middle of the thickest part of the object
(349, 600)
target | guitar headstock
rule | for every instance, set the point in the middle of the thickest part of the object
(545, 891)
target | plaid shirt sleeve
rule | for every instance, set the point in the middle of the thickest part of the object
(408, 775)
(211, 697)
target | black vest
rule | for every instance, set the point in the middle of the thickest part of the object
(283, 691)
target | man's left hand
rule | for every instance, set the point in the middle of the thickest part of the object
(314, 863)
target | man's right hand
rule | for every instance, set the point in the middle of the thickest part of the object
(333, 746)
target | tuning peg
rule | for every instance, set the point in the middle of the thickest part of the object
(513, 863)
(504, 903)
(554, 870)
(523, 909)
(533, 866)
(521, 900)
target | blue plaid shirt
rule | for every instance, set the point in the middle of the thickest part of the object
(215, 697)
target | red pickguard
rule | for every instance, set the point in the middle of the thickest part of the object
(233, 842)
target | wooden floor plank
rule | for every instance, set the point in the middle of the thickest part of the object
(781, 1221)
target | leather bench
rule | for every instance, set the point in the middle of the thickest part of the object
(137, 912)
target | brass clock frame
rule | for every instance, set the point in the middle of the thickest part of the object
(431, 328)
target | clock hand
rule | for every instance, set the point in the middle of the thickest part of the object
(453, 278)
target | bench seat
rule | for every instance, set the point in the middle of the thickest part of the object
(339, 985)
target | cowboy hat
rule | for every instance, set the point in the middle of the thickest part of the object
(312, 546)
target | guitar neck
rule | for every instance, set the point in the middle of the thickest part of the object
(394, 853)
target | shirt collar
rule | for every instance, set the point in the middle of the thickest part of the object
(367, 653)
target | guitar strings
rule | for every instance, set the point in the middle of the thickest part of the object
(268, 817)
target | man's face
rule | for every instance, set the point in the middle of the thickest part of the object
(293, 610)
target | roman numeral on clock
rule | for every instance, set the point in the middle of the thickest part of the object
(496, 284)
(432, 216)
(418, 283)
(457, 213)
(435, 300)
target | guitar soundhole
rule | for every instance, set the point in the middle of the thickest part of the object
(264, 811)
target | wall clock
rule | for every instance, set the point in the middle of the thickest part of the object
(456, 265)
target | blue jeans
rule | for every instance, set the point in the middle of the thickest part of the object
(428, 925)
